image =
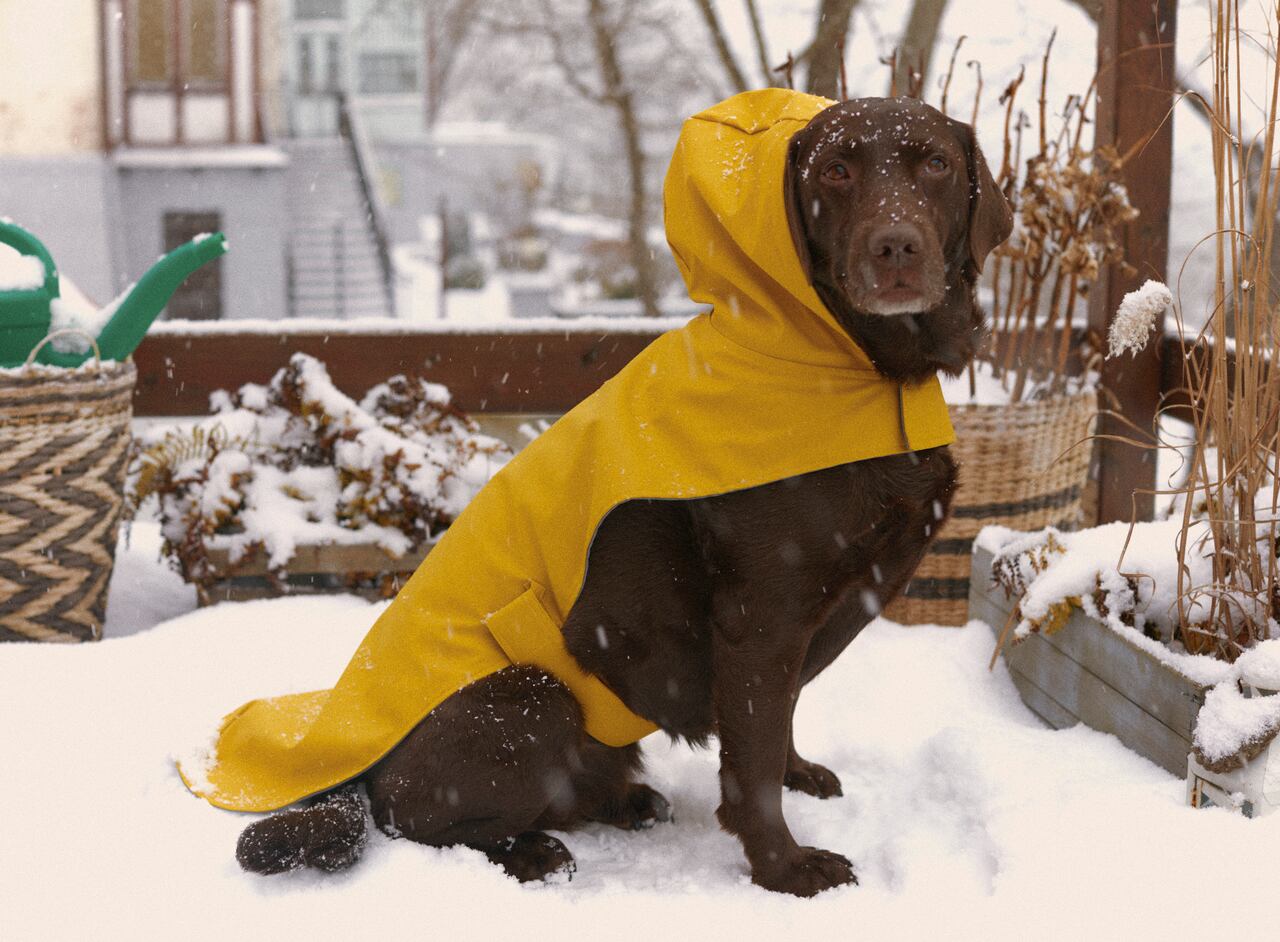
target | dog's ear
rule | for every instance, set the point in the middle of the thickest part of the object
(795, 212)
(990, 218)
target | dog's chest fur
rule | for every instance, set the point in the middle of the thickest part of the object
(822, 551)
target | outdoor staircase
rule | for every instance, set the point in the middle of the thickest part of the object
(334, 266)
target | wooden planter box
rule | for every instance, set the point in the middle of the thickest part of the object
(363, 569)
(1087, 673)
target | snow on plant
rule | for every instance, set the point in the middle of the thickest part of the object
(298, 461)
(1136, 318)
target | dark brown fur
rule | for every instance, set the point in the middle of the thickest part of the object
(708, 616)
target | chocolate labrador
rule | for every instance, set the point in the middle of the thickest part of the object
(708, 616)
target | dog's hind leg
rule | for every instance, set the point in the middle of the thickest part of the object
(328, 834)
(605, 790)
(483, 769)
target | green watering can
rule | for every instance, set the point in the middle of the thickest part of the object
(25, 314)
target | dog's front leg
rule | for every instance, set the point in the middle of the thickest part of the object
(756, 668)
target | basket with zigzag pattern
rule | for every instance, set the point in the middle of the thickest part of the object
(64, 438)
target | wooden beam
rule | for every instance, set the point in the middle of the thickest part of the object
(492, 371)
(1135, 96)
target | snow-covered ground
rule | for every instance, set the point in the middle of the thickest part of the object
(964, 817)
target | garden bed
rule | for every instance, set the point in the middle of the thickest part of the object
(364, 569)
(1086, 672)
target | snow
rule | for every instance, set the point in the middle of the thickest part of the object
(388, 325)
(73, 311)
(964, 817)
(989, 390)
(1260, 665)
(1229, 721)
(19, 272)
(1136, 317)
(257, 156)
(1092, 559)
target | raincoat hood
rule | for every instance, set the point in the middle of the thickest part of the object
(726, 220)
(764, 387)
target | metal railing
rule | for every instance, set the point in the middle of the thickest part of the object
(352, 131)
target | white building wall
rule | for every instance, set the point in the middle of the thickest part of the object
(49, 77)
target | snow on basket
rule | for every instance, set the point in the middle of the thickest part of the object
(294, 487)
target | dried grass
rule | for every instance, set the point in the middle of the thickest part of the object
(1229, 500)
(1069, 205)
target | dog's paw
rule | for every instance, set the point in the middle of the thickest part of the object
(807, 873)
(812, 779)
(645, 807)
(639, 809)
(532, 856)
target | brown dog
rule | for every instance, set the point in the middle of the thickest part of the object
(709, 615)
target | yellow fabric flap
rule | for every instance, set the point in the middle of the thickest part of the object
(529, 635)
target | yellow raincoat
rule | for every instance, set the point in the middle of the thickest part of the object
(765, 387)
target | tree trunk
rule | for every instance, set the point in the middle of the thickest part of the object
(757, 33)
(619, 97)
(731, 70)
(824, 57)
(915, 51)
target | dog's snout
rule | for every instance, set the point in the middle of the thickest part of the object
(896, 246)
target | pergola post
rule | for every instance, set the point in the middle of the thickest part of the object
(1135, 95)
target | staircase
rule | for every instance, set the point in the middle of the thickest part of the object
(334, 266)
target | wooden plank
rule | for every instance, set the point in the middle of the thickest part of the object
(489, 371)
(1158, 689)
(1049, 710)
(1089, 672)
(1098, 705)
(1135, 94)
(327, 559)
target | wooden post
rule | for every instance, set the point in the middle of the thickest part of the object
(1135, 95)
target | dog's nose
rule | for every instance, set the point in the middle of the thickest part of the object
(895, 246)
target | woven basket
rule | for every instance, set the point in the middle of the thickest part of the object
(1017, 469)
(64, 438)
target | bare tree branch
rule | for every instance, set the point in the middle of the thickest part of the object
(915, 49)
(757, 33)
(824, 53)
(712, 19)
(616, 92)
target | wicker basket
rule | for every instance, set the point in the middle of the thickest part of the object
(64, 438)
(1017, 469)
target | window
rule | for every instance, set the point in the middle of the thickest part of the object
(150, 54)
(202, 29)
(204, 39)
(199, 298)
(317, 9)
(388, 73)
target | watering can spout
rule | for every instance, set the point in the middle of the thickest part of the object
(144, 302)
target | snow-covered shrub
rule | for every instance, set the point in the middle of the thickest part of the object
(299, 462)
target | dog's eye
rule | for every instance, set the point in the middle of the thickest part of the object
(836, 171)
(936, 164)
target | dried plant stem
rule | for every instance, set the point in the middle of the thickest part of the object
(951, 68)
(1235, 380)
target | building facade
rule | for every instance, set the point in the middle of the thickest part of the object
(130, 126)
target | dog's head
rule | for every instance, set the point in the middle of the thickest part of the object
(892, 211)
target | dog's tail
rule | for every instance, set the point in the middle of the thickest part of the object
(328, 834)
